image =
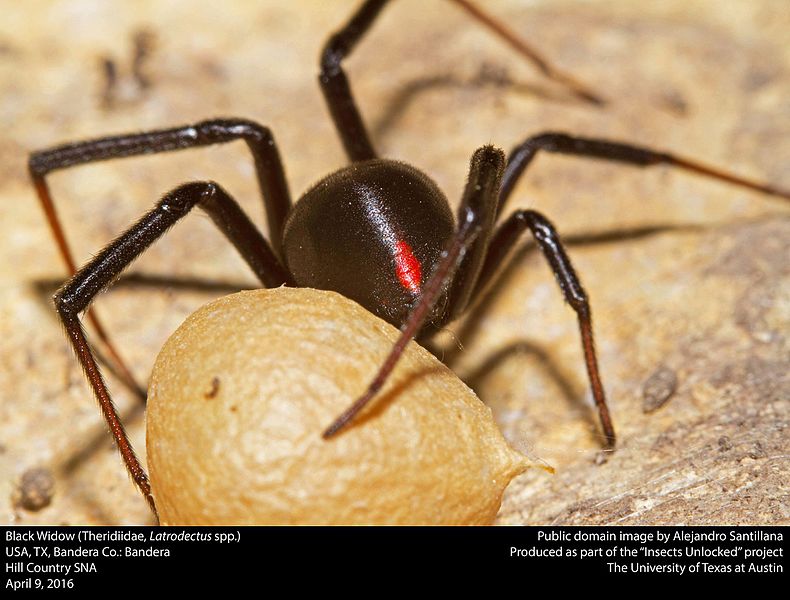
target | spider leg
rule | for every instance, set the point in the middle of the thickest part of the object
(475, 220)
(78, 293)
(337, 90)
(259, 139)
(522, 155)
(576, 88)
(549, 241)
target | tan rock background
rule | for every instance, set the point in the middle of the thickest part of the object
(707, 300)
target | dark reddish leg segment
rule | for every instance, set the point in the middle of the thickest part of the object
(577, 89)
(65, 252)
(522, 155)
(77, 294)
(79, 342)
(478, 200)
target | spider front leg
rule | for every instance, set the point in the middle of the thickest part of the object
(456, 270)
(78, 293)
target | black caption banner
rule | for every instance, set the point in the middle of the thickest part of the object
(93, 558)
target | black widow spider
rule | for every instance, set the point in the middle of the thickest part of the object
(421, 270)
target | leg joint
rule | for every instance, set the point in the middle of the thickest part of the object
(332, 55)
(549, 241)
(550, 141)
(64, 303)
(220, 130)
(37, 164)
(181, 200)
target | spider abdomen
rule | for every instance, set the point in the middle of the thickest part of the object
(372, 231)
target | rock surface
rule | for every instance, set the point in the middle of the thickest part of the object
(707, 298)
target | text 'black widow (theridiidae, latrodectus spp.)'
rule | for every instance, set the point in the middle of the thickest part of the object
(378, 231)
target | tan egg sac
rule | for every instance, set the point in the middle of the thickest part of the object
(242, 391)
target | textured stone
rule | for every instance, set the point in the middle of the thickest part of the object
(709, 302)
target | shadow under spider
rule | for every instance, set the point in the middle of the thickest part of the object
(470, 326)
(474, 379)
(487, 77)
(45, 288)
